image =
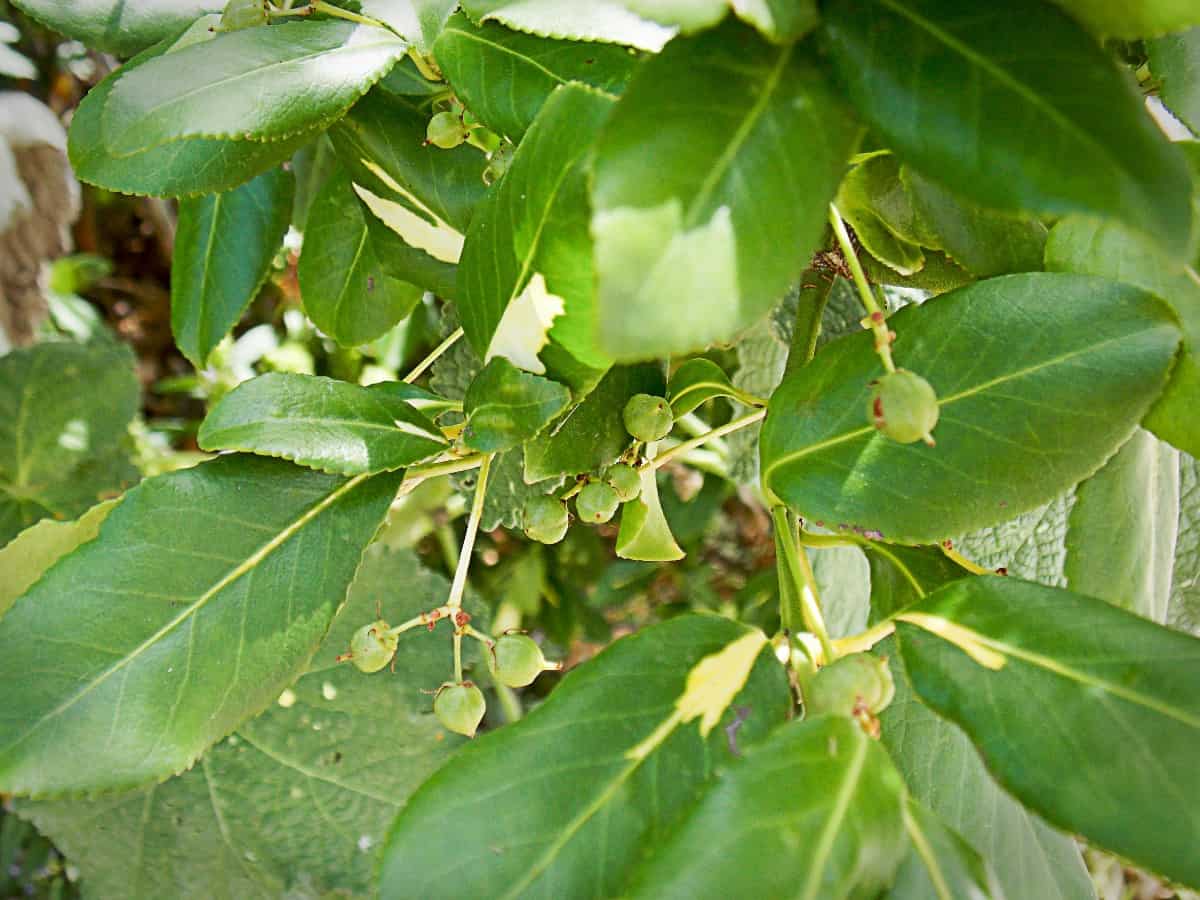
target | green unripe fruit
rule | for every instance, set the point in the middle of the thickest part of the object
(648, 418)
(446, 130)
(596, 503)
(857, 685)
(239, 14)
(516, 660)
(459, 707)
(625, 480)
(546, 519)
(904, 407)
(373, 646)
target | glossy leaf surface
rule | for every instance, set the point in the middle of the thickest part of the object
(64, 410)
(1094, 672)
(506, 407)
(618, 721)
(418, 21)
(1078, 142)
(304, 793)
(813, 812)
(1056, 372)
(224, 246)
(603, 21)
(687, 172)
(1080, 245)
(118, 26)
(186, 616)
(349, 279)
(324, 424)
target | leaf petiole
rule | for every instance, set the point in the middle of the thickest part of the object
(875, 318)
(797, 570)
(454, 601)
(679, 449)
(419, 369)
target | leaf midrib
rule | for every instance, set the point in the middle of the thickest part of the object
(252, 561)
(833, 824)
(503, 49)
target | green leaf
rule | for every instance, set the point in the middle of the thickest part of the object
(686, 174)
(185, 167)
(983, 241)
(348, 277)
(900, 576)
(506, 407)
(264, 84)
(1040, 377)
(418, 21)
(64, 411)
(1130, 565)
(592, 434)
(597, 791)
(27, 557)
(381, 142)
(1061, 723)
(301, 795)
(940, 863)
(762, 359)
(1115, 18)
(697, 381)
(604, 21)
(1032, 545)
(1032, 145)
(812, 812)
(875, 202)
(1175, 62)
(205, 594)
(645, 533)
(527, 261)
(224, 246)
(118, 26)
(1029, 858)
(1184, 610)
(1080, 245)
(324, 424)
(505, 76)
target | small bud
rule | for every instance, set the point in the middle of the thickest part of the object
(545, 519)
(648, 418)
(596, 503)
(373, 646)
(625, 480)
(904, 407)
(516, 660)
(459, 707)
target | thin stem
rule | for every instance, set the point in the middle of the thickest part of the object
(808, 539)
(956, 557)
(428, 361)
(320, 6)
(679, 449)
(288, 11)
(471, 631)
(433, 616)
(883, 337)
(458, 657)
(416, 474)
(444, 535)
(572, 491)
(510, 703)
(423, 65)
(799, 571)
(454, 601)
(864, 640)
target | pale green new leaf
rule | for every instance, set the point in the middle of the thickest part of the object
(64, 411)
(205, 594)
(263, 84)
(686, 174)
(697, 381)
(813, 812)
(1040, 377)
(563, 802)
(603, 21)
(1059, 693)
(1009, 136)
(505, 76)
(1175, 62)
(322, 423)
(1081, 245)
(527, 260)
(184, 167)
(301, 795)
(645, 533)
(349, 278)
(940, 864)
(876, 203)
(27, 557)
(506, 407)
(224, 246)
(118, 26)
(1122, 533)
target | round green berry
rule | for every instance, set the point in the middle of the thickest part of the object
(373, 646)
(904, 407)
(459, 707)
(851, 686)
(546, 519)
(516, 660)
(596, 503)
(446, 130)
(625, 480)
(648, 418)
(239, 14)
